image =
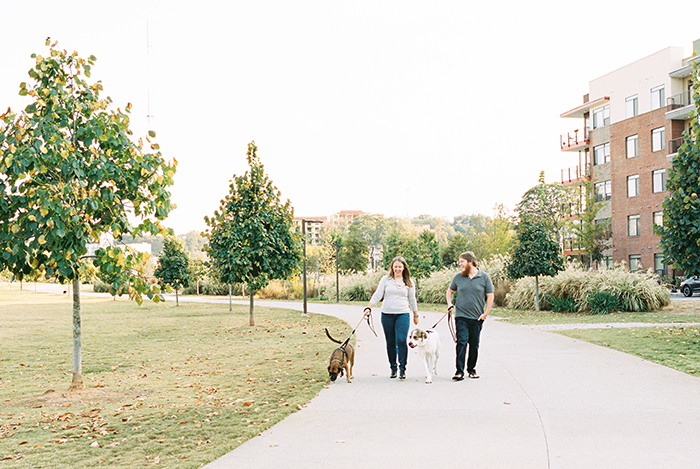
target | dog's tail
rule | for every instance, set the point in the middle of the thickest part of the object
(329, 336)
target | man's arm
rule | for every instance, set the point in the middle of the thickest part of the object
(449, 294)
(489, 303)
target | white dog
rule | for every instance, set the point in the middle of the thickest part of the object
(428, 345)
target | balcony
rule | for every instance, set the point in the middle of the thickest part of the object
(575, 141)
(575, 175)
(680, 106)
(674, 145)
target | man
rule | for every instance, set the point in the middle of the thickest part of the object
(474, 301)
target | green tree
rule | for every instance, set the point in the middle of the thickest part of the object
(592, 235)
(535, 254)
(354, 253)
(69, 174)
(499, 234)
(549, 204)
(422, 252)
(198, 270)
(251, 238)
(173, 266)
(193, 243)
(680, 233)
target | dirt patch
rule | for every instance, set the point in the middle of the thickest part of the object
(85, 396)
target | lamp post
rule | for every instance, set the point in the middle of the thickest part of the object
(337, 279)
(303, 235)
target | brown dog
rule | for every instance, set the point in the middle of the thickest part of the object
(342, 359)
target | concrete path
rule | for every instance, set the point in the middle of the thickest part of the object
(543, 401)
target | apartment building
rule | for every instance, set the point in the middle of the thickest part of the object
(632, 123)
(313, 227)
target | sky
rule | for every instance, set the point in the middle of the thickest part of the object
(400, 108)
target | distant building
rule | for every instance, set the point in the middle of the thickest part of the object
(632, 120)
(314, 228)
(344, 218)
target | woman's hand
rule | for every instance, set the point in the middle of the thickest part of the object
(415, 318)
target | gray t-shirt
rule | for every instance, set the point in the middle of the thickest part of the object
(471, 294)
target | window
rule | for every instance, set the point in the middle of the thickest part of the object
(659, 218)
(631, 106)
(601, 117)
(659, 267)
(633, 225)
(659, 180)
(658, 97)
(635, 262)
(606, 262)
(632, 146)
(658, 139)
(601, 154)
(633, 185)
(603, 191)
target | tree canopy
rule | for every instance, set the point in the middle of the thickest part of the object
(251, 237)
(535, 254)
(69, 174)
(548, 204)
(173, 266)
(680, 233)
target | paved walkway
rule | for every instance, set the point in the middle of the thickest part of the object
(543, 401)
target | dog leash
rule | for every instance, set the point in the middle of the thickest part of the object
(370, 322)
(451, 324)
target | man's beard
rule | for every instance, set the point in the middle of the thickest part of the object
(465, 272)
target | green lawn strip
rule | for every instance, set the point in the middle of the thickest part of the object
(681, 312)
(175, 386)
(674, 347)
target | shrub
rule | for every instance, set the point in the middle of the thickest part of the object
(602, 302)
(99, 286)
(212, 287)
(597, 292)
(359, 287)
(433, 288)
(563, 304)
(522, 294)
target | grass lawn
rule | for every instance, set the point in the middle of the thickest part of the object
(678, 311)
(175, 386)
(677, 347)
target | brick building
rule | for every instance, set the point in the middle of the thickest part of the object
(633, 120)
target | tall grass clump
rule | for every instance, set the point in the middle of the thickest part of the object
(358, 287)
(592, 291)
(497, 268)
(636, 291)
(433, 288)
(522, 294)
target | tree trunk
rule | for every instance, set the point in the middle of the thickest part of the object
(230, 303)
(77, 382)
(537, 293)
(177, 300)
(252, 320)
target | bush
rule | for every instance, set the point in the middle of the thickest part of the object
(212, 287)
(603, 302)
(433, 288)
(563, 304)
(99, 286)
(596, 292)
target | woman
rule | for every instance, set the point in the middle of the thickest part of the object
(398, 296)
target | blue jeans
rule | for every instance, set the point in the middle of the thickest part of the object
(468, 333)
(396, 332)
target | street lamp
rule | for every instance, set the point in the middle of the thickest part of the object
(303, 235)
